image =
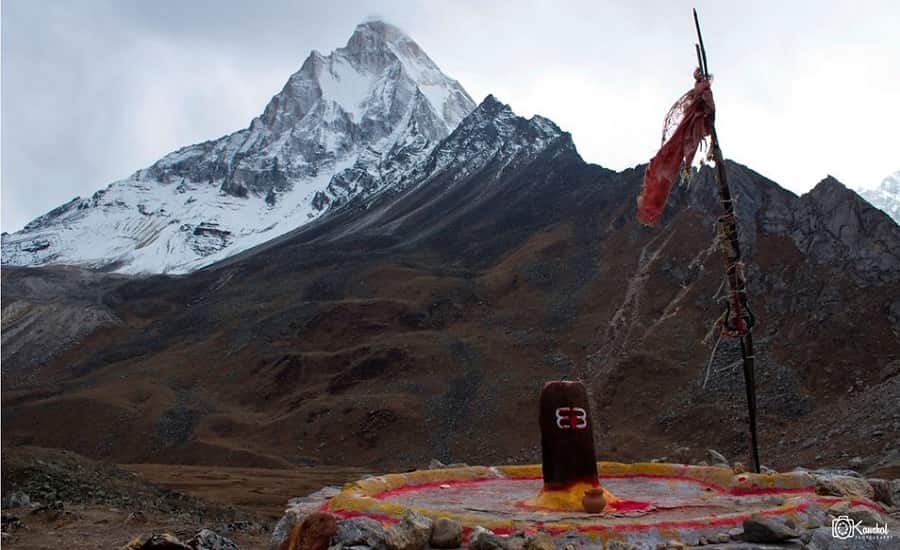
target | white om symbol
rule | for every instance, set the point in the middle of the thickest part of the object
(568, 418)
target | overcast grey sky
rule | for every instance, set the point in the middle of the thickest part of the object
(95, 89)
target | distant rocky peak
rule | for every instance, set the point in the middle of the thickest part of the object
(830, 189)
(492, 108)
(830, 194)
(493, 113)
(494, 133)
(828, 185)
(891, 184)
(836, 226)
(886, 196)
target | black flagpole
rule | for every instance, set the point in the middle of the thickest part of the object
(743, 320)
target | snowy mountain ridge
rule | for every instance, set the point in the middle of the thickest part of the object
(886, 196)
(346, 124)
(492, 132)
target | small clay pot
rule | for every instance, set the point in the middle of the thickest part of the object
(593, 501)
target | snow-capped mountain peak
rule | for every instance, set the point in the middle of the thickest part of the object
(886, 196)
(346, 124)
(377, 55)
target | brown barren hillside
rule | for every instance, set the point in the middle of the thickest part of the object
(422, 323)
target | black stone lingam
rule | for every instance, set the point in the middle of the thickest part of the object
(567, 435)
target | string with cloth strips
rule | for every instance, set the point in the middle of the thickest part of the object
(688, 124)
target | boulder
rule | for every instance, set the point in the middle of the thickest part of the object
(16, 499)
(482, 539)
(759, 528)
(361, 531)
(866, 515)
(716, 458)
(446, 533)
(841, 508)
(516, 541)
(207, 539)
(411, 533)
(883, 491)
(843, 486)
(539, 541)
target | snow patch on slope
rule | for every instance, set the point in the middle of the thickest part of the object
(886, 196)
(175, 231)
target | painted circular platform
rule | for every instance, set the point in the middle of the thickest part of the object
(656, 501)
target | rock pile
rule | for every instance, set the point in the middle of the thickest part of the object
(48, 476)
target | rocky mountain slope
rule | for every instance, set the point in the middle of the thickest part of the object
(51, 495)
(346, 124)
(421, 321)
(886, 196)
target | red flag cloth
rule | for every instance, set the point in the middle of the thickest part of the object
(687, 123)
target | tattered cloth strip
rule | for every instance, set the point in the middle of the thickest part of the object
(689, 121)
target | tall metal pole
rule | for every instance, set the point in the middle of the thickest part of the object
(743, 320)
